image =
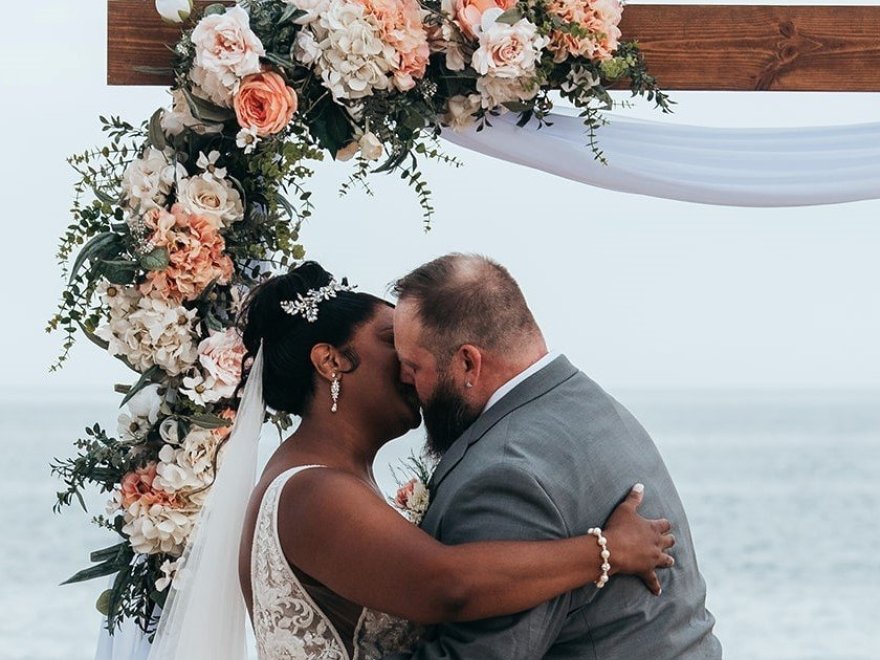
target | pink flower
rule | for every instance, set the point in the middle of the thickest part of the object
(468, 14)
(220, 355)
(195, 251)
(401, 27)
(405, 492)
(223, 431)
(598, 18)
(137, 486)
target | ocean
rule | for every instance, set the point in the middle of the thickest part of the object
(780, 489)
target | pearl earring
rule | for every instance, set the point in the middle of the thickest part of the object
(334, 393)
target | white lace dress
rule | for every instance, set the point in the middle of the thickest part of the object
(288, 624)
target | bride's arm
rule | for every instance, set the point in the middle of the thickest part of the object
(334, 528)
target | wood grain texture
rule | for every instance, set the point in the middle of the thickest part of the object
(688, 47)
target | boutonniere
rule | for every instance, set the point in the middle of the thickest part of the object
(413, 496)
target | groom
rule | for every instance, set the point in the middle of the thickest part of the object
(533, 449)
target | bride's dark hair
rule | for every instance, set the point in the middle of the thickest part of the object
(288, 373)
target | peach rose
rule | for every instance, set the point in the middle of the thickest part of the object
(265, 102)
(469, 13)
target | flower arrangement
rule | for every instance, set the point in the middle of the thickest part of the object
(176, 218)
(413, 495)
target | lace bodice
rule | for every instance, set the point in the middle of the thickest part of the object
(288, 624)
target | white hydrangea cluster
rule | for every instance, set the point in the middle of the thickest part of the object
(149, 331)
(159, 527)
(188, 466)
(344, 45)
(149, 179)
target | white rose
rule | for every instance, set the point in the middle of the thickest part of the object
(225, 43)
(227, 50)
(507, 51)
(213, 198)
(174, 11)
(370, 147)
(169, 431)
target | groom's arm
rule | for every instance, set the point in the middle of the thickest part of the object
(504, 502)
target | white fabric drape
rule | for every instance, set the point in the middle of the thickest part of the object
(760, 167)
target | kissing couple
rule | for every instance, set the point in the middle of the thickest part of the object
(534, 543)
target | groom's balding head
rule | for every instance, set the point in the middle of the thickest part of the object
(468, 299)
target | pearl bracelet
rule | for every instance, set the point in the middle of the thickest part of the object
(606, 555)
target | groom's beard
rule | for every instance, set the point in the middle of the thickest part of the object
(446, 415)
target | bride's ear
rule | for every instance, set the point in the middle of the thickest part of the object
(327, 361)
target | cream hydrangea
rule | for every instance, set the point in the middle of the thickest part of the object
(354, 62)
(149, 331)
(173, 121)
(148, 180)
(188, 466)
(159, 527)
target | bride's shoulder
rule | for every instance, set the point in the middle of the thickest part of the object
(310, 500)
(321, 490)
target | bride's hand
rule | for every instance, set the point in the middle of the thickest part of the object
(638, 546)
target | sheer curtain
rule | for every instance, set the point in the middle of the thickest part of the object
(764, 167)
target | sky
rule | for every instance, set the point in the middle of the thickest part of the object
(641, 293)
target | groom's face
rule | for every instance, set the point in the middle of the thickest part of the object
(446, 411)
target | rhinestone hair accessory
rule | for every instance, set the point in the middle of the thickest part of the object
(307, 305)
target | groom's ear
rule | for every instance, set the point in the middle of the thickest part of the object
(471, 362)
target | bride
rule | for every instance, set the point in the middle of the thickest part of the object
(328, 569)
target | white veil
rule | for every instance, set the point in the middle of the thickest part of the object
(204, 617)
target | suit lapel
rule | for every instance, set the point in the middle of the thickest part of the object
(530, 389)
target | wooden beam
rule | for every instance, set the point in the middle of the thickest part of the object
(688, 47)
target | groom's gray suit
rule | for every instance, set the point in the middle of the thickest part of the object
(549, 460)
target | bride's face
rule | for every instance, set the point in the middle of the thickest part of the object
(385, 401)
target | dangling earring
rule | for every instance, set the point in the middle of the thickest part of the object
(334, 393)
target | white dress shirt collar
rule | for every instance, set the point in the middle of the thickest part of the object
(505, 389)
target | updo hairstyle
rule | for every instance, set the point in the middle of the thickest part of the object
(288, 373)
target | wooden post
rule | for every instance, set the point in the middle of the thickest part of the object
(688, 47)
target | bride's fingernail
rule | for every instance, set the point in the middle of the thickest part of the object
(639, 488)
